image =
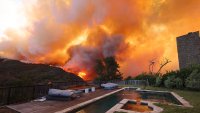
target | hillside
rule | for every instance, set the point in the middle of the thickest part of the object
(13, 72)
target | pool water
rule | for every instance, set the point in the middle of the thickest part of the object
(103, 105)
(161, 97)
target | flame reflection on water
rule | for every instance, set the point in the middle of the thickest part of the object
(136, 107)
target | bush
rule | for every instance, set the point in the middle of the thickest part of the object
(169, 83)
(178, 83)
(128, 78)
(188, 77)
(168, 74)
(193, 81)
(158, 81)
(151, 78)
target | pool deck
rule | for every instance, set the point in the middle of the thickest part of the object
(55, 106)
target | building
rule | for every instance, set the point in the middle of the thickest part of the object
(188, 49)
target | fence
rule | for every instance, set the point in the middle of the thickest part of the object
(135, 83)
(19, 94)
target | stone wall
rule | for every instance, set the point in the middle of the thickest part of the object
(188, 49)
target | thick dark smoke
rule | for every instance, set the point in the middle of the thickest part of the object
(74, 33)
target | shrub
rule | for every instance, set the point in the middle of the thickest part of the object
(185, 73)
(151, 78)
(167, 75)
(169, 83)
(178, 83)
(128, 78)
(182, 75)
(193, 81)
(158, 81)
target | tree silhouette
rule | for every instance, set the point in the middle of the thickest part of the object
(151, 65)
(107, 69)
(162, 64)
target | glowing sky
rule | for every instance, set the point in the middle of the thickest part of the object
(11, 15)
(73, 33)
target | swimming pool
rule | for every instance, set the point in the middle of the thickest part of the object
(103, 105)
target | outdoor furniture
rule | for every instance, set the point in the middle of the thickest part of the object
(93, 89)
(86, 90)
(61, 95)
(109, 86)
(58, 92)
(68, 94)
(83, 89)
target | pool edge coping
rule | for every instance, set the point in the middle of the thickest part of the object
(181, 100)
(87, 102)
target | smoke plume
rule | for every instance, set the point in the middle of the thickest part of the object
(74, 33)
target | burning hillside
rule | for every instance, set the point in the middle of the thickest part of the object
(74, 33)
(13, 72)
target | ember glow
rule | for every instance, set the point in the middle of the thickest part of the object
(82, 75)
(74, 33)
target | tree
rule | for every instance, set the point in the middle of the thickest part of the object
(100, 68)
(162, 64)
(128, 78)
(107, 69)
(151, 65)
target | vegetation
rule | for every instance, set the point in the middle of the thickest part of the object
(107, 69)
(13, 72)
(170, 82)
(178, 83)
(193, 81)
(151, 78)
(180, 79)
(184, 78)
(158, 81)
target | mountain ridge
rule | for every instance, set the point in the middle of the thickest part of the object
(14, 72)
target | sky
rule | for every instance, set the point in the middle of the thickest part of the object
(72, 34)
(10, 15)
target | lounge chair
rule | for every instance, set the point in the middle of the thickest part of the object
(61, 95)
(109, 86)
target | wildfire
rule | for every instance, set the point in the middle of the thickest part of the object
(82, 75)
(72, 34)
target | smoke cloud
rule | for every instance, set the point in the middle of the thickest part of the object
(74, 33)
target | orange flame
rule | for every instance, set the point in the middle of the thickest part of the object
(82, 75)
(73, 34)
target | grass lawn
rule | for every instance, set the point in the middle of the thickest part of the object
(193, 97)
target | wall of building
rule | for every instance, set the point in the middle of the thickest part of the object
(188, 49)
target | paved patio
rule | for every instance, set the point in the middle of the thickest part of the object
(7, 110)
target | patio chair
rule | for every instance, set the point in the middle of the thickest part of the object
(109, 86)
(61, 95)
